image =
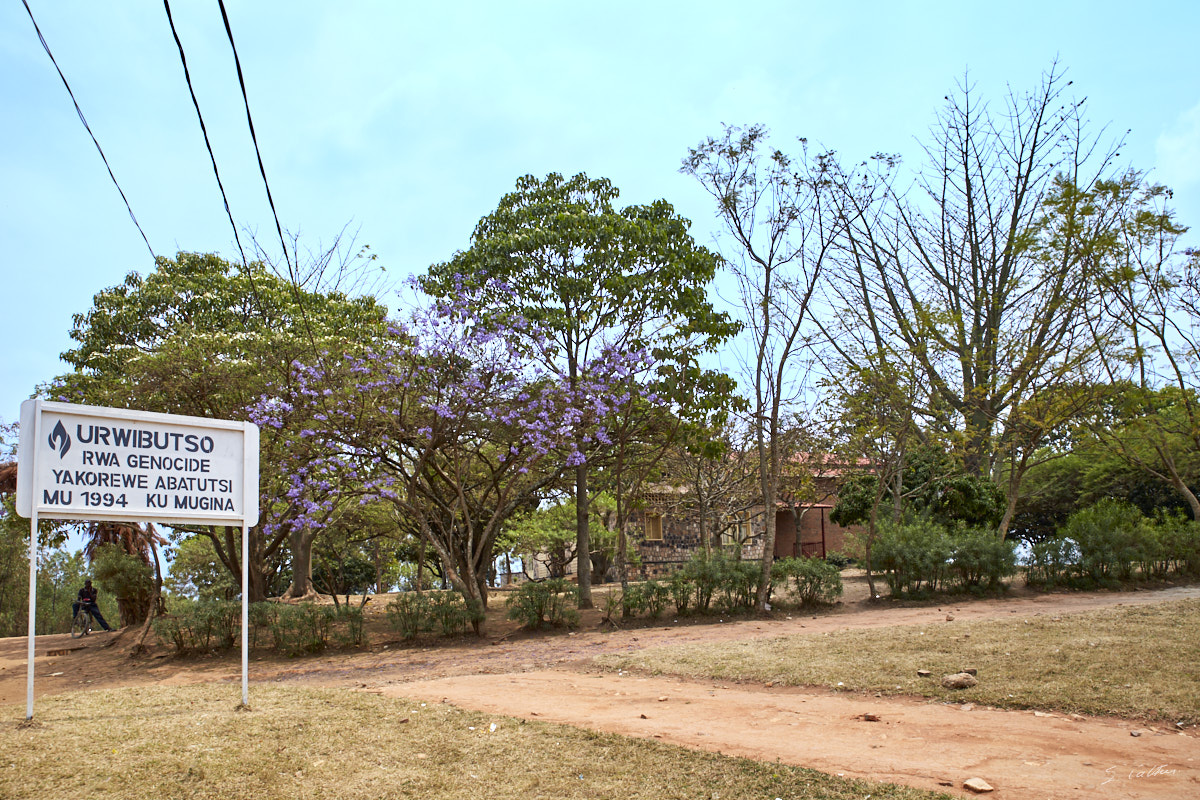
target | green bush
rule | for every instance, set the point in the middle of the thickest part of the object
(261, 614)
(614, 604)
(651, 597)
(732, 583)
(538, 604)
(839, 560)
(206, 625)
(1179, 538)
(982, 560)
(812, 579)
(633, 601)
(410, 614)
(704, 575)
(446, 611)
(302, 628)
(1111, 537)
(914, 557)
(201, 627)
(682, 591)
(739, 584)
(1050, 562)
(349, 626)
(451, 612)
(127, 578)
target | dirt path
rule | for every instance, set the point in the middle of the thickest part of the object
(1022, 754)
(937, 747)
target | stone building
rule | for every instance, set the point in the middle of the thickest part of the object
(666, 532)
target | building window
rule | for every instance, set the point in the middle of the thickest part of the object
(737, 533)
(654, 527)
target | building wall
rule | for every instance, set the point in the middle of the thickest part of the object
(815, 537)
(680, 542)
(818, 536)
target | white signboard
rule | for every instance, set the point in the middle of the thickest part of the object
(86, 462)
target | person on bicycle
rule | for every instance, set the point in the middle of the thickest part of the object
(87, 599)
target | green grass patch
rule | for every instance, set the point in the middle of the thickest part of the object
(159, 743)
(1138, 661)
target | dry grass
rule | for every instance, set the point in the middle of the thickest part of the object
(1138, 661)
(159, 743)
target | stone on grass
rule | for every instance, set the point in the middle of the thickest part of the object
(961, 680)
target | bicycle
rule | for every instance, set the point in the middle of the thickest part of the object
(82, 624)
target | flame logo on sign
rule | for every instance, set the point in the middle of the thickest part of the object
(60, 440)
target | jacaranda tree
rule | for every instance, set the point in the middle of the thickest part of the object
(453, 422)
(591, 277)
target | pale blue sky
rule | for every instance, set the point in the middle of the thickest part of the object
(409, 121)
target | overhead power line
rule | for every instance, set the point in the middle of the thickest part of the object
(250, 121)
(204, 129)
(87, 127)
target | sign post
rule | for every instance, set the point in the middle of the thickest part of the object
(109, 464)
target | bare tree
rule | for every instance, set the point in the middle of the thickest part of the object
(776, 214)
(985, 269)
(717, 467)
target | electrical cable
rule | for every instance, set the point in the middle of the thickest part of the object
(83, 119)
(250, 121)
(293, 272)
(203, 129)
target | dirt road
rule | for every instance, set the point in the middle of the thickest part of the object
(931, 746)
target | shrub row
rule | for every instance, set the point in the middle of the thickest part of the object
(706, 584)
(923, 557)
(1111, 542)
(209, 625)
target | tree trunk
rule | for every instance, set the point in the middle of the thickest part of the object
(1183, 489)
(378, 569)
(420, 564)
(770, 488)
(871, 532)
(155, 608)
(768, 470)
(132, 610)
(301, 542)
(978, 452)
(1010, 508)
(1016, 473)
(228, 547)
(583, 543)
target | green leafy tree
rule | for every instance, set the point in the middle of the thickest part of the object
(1153, 293)
(207, 338)
(14, 545)
(876, 424)
(545, 536)
(348, 557)
(558, 252)
(60, 577)
(127, 578)
(197, 574)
